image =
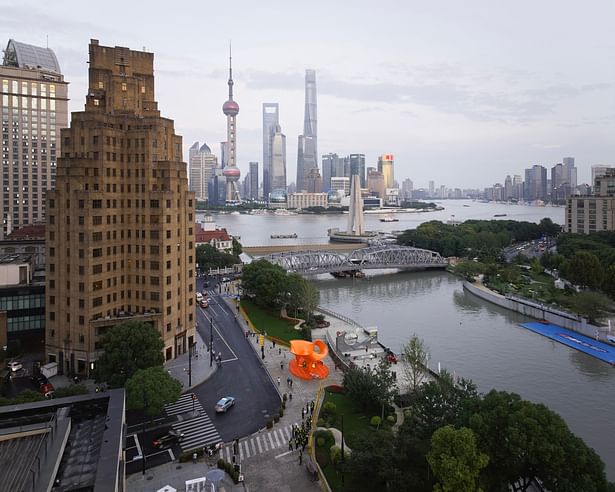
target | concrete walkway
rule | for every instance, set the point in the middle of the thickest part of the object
(337, 435)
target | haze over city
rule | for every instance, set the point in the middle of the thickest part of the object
(460, 93)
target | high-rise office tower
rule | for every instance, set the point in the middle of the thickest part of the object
(254, 180)
(599, 170)
(271, 118)
(120, 223)
(202, 164)
(535, 183)
(230, 108)
(385, 166)
(34, 108)
(329, 170)
(307, 152)
(278, 159)
(406, 188)
(508, 188)
(357, 167)
(314, 181)
(375, 182)
(432, 188)
(517, 185)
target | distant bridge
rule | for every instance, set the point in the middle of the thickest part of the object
(372, 257)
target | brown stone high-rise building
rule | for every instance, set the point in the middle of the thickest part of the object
(120, 223)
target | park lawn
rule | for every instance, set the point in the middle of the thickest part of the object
(266, 321)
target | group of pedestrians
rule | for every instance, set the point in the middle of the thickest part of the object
(308, 410)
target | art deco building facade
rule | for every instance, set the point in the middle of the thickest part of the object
(385, 166)
(120, 223)
(34, 106)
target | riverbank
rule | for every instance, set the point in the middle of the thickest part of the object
(539, 311)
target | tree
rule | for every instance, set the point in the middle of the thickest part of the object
(414, 353)
(526, 440)
(370, 387)
(439, 403)
(455, 460)
(128, 347)
(237, 248)
(209, 257)
(593, 305)
(583, 269)
(369, 466)
(608, 284)
(150, 389)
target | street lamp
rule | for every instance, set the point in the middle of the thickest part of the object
(211, 342)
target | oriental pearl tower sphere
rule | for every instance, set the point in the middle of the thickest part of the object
(230, 108)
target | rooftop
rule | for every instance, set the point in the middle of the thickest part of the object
(30, 231)
(22, 55)
(15, 259)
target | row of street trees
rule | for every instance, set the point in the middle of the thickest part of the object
(132, 359)
(456, 439)
(209, 257)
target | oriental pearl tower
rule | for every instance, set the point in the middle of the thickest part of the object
(230, 108)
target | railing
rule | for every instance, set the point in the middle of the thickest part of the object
(341, 317)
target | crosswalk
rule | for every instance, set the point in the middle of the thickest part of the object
(198, 429)
(260, 443)
(186, 403)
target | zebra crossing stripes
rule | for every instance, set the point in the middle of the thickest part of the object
(198, 432)
(185, 404)
(259, 444)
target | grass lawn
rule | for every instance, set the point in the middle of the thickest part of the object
(266, 321)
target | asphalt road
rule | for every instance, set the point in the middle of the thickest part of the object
(242, 375)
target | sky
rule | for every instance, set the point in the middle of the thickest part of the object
(462, 93)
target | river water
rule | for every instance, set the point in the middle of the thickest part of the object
(466, 335)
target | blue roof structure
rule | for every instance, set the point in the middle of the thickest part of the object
(22, 55)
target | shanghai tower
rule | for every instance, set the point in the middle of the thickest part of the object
(307, 153)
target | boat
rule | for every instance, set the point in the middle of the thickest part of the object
(466, 205)
(499, 215)
(284, 236)
(389, 218)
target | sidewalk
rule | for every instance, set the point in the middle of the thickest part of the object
(278, 469)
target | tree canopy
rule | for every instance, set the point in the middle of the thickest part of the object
(414, 353)
(209, 257)
(150, 389)
(128, 347)
(371, 387)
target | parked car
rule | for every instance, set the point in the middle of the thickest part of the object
(39, 380)
(15, 365)
(224, 404)
(168, 439)
(204, 303)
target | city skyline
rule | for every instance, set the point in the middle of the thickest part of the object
(451, 107)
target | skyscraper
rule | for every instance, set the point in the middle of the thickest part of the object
(230, 108)
(202, 164)
(535, 183)
(357, 167)
(385, 166)
(34, 108)
(432, 189)
(307, 152)
(120, 223)
(271, 118)
(254, 180)
(375, 182)
(332, 167)
(508, 188)
(278, 159)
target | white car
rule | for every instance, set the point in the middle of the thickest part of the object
(199, 297)
(15, 366)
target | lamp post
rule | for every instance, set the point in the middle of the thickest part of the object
(143, 435)
(211, 342)
(190, 364)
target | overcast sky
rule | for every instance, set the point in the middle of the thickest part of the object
(460, 92)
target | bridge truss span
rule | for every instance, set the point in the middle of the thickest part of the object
(373, 257)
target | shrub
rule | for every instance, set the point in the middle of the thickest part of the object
(281, 412)
(326, 435)
(269, 424)
(276, 418)
(320, 442)
(375, 421)
(72, 390)
(321, 422)
(235, 476)
(391, 419)
(283, 406)
(221, 464)
(228, 467)
(335, 453)
(284, 398)
(329, 408)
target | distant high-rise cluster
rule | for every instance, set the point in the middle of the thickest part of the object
(34, 108)
(202, 164)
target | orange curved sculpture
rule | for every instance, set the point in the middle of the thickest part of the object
(307, 363)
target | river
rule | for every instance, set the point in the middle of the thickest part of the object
(468, 336)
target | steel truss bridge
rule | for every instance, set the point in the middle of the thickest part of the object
(372, 257)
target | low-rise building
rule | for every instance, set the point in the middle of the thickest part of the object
(217, 238)
(587, 214)
(306, 200)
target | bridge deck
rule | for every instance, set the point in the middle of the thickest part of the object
(282, 248)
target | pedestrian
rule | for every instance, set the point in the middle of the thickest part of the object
(273, 341)
(194, 456)
(302, 413)
(278, 381)
(290, 444)
(279, 350)
(281, 366)
(291, 381)
(300, 458)
(290, 395)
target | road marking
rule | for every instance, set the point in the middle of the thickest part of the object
(265, 445)
(253, 446)
(258, 442)
(271, 440)
(275, 434)
(245, 443)
(287, 430)
(172, 455)
(138, 444)
(283, 454)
